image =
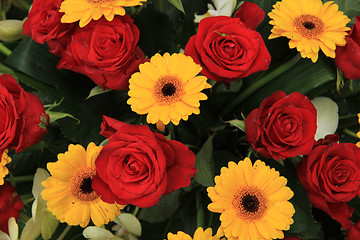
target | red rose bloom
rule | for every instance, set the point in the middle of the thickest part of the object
(227, 48)
(138, 166)
(354, 232)
(283, 126)
(21, 114)
(106, 52)
(331, 176)
(347, 58)
(43, 25)
(10, 205)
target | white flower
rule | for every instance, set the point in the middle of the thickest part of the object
(42, 221)
(98, 233)
(327, 116)
(11, 30)
(222, 8)
(127, 227)
(13, 230)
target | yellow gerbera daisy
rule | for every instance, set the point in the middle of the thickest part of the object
(252, 200)
(310, 26)
(199, 234)
(68, 191)
(358, 133)
(85, 10)
(5, 159)
(167, 88)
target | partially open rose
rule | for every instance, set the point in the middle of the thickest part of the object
(138, 166)
(43, 25)
(21, 116)
(348, 57)
(283, 126)
(229, 48)
(106, 52)
(331, 175)
(10, 205)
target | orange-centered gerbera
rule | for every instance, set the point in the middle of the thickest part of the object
(252, 200)
(358, 133)
(310, 26)
(81, 185)
(69, 192)
(86, 10)
(250, 204)
(167, 88)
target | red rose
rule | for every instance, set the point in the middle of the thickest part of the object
(354, 232)
(347, 58)
(138, 166)
(10, 205)
(106, 52)
(331, 176)
(43, 25)
(283, 126)
(227, 48)
(23, 113)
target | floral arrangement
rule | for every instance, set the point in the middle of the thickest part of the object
(179, 119)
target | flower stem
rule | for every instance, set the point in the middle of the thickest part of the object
(160, 5)
(63, 234)
(350, 133)
(200, 211)
(27, 198)
(25, 4)
(27, 178)
(348, 116)
(4, 50)
(136, 211)
(167, 227)
(264, 80)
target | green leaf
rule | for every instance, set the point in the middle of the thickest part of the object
(304, 224)
(58, 115)
(351, 8)
(303, 77)
(165, 208)
(204, 159)
(37, 62)
(5, 6)
(177, 4)
(96, 91)
(36, 67)
(157, 33)
(240, 124)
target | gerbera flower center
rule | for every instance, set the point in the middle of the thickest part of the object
(81, 185)
(249, 203)
(309, 26)
(168, 90)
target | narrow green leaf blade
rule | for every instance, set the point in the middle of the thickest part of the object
(58, 115)
(164, 209)
(177, 4)
(240, 124)
(97, 91)
(204, 157)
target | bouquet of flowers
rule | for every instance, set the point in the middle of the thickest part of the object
(179, 119)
